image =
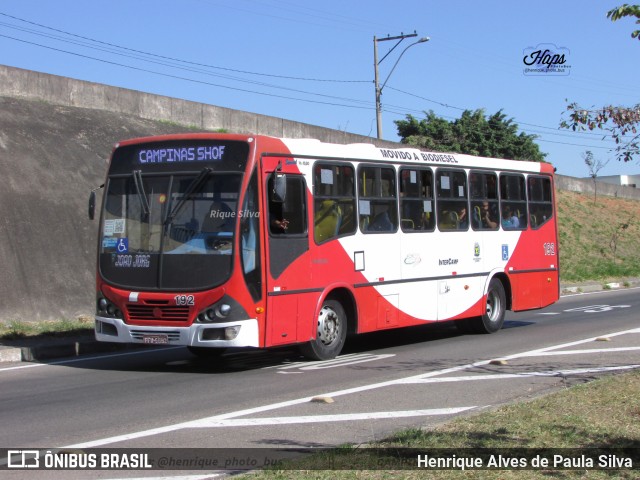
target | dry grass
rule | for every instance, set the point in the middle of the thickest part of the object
(598, 241)
(600, 414)
(16, 329)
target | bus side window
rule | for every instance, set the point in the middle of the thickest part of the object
(377, 200)
(416, 200)
(452, 203)
(334, 201)
(513, 202)
(484, 201)
(289, 217)
(540, 200)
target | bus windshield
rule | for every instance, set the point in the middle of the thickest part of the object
(169, 230)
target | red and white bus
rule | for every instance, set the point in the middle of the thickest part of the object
(216, 241)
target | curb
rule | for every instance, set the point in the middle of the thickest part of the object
(593, 286)
(44, 351)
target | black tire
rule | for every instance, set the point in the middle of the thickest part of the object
(331, 333)
(206, 352)
(493, 318)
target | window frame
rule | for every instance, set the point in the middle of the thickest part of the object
(301, 217)
(341, 200)
(376, 201)
(546, 205)
(424, 194)
(454, 203)
(511, 201)
(484, 195)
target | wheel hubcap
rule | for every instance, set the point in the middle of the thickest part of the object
(328, 326)
(493, 306)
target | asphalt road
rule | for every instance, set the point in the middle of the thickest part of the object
(381, 383)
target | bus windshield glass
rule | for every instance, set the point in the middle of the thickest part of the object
(169, 225)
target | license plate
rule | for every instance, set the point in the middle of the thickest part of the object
(155, 339)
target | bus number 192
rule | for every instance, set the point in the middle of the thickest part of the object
(184, 300)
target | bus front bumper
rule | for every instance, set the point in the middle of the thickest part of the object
(239, 333)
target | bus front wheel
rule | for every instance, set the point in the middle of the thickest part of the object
(331, 333)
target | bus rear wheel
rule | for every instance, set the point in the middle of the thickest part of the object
(331, 333)
(493, 318)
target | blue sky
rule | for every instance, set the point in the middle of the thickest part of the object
(313, 61)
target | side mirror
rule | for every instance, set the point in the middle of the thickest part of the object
(279, 192)
(92, 205)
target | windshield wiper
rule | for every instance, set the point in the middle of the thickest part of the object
(196, 185)
(144, 201)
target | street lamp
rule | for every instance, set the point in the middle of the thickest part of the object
(376, 63)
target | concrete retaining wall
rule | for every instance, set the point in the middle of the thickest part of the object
(586, 186)
(19, 83)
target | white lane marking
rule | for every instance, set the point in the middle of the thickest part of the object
(596, 308)
(345, 417)
(348, 391)
(340, 361)
(505, 376)
(348, 361)
(586, 350)
(570, 344)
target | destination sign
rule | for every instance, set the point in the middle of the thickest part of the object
(182, 154)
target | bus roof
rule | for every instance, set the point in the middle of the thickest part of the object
(370, 152)
(360, 152)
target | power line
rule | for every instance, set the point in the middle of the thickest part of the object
(163, 63)
(180, 77)
(177, 59)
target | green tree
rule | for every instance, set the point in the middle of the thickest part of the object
(618, 122)
(473, 133)
(626, 11)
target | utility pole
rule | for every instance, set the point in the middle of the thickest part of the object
(379, 88)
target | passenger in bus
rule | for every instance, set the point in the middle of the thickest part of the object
(277, 223)
(482, 219)
(509, 219)
(463, 219)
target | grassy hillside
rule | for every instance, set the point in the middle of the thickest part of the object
(600, 240)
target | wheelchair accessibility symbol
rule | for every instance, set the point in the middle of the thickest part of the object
(123, 245)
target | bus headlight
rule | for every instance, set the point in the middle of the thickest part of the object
(214, 313)
(105, 308)
(223, 310)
